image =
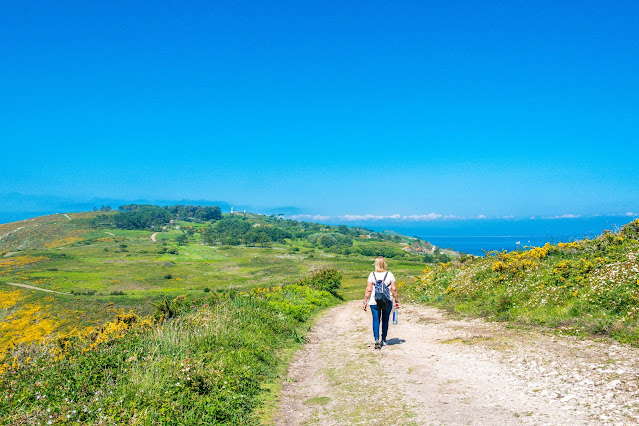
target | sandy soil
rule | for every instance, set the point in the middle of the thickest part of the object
(34, 288)
(153, 235)
(441, 370)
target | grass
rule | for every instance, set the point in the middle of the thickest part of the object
(205, 361)
(584, 287)
(241, 313)
(233, 317)
(110, 270)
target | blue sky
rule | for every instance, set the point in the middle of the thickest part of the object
(336, 108)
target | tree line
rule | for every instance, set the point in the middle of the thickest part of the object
(144, 216)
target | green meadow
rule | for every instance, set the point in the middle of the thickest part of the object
(103, 271)
(171, 331)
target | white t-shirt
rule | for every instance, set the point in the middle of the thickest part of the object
(373, 277)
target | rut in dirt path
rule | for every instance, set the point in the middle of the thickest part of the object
(439, 370)
(31, 287)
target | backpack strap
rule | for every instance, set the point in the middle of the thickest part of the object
(385, 275)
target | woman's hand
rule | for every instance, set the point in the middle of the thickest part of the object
(365, 304)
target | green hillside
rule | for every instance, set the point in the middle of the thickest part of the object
(583, 287)
(103, 262)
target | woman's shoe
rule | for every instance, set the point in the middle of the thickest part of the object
(377, 346)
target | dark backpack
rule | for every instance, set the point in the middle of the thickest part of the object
(382, 292)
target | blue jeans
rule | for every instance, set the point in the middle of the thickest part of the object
(384, 315)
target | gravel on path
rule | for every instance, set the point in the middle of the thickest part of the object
(439, 369)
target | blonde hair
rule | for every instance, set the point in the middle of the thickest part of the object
(380, 264)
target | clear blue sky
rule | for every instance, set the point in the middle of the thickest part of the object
(522, 108)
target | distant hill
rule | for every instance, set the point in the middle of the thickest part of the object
(247, 229)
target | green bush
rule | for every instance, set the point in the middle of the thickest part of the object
(329, 280)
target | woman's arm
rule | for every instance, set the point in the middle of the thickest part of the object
(395, 296)
(367, 295)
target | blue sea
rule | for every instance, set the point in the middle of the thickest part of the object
(477, 236)
(8, 217)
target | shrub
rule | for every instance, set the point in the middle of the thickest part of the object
(589, 286)
(84, 292)
(327, 280)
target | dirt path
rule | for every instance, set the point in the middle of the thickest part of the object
(153, 235)
(439, 370)
(67, 216)
(34, 288)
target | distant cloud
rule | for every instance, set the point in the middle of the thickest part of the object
(311, 217)
(355, 217)
(566, 216)
(429, 216)
(432, 217)
(398, 217)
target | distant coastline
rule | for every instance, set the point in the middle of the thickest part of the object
(480, 244)
(477, 236)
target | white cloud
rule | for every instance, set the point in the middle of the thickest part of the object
(421, 217)
(566, 216)
(631, 214)
(481, 216)
(353, 217)
(397, 217)
(316, 217)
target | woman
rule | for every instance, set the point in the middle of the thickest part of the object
(369, 299)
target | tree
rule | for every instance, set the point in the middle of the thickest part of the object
(181, 239)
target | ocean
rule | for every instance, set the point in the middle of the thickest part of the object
(476, 236)
(8, 217)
